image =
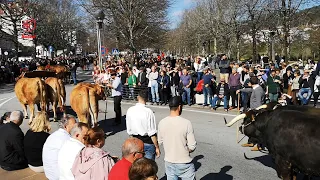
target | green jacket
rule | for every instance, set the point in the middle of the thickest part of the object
(132, 81)
(273, 87)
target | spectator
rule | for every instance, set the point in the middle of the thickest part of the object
(316, 91)
(5, 118)
(73, 70)
(132, 149)
(12, 155)
(164, 83)
(224, 66)
(257, 93)
(142, 78)
(143, 169)
(186, 81)
(234, 84)
(177, 136)
(92, 162)
(287, 77)
(304, 88)
(295, 86)
(53, 145)
(222, 92)
(208, 80)
(199, 66)
(141, 124)
(153, 77)
(116, 87)
(132, 82)
(70, 149)
(174, 83)
(273, 86)
(34, 140)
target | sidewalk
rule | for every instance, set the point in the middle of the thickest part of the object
(25, 174)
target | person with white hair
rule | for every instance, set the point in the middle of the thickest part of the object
(53, 145)
(70, 149)
(12, 155)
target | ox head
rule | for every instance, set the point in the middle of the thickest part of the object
(100, 91)
(21, 76)
(251, 122)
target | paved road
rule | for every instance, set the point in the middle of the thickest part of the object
(217, 156)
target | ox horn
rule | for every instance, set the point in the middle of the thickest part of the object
(262, 107)
(236, 119)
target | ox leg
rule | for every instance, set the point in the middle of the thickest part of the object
(31, 113)
(94, 114)
(284, 169)
(83, 118)
(54, 109)
(25, 112)
(39, 107)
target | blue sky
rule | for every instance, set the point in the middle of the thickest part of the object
(176, 10)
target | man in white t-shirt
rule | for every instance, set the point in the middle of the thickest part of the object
(53, 145)
(70, 149)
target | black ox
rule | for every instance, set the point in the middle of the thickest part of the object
(291, 135)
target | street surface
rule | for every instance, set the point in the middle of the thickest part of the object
(218, 156)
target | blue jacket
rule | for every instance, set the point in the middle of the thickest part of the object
(165, 80)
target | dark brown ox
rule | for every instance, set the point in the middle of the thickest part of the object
(54, 95)
(84, 101)
(31, 91)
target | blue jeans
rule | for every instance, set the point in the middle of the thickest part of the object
(177, 170)
(273, 97)
(302, 91)
(199, 76)
(155, 92)
(74, 77)
(131, 95)
(150, 151)
(243, 99)
(207, 92)
(225, 102)
(186, 94)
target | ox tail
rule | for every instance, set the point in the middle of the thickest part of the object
(42, 95)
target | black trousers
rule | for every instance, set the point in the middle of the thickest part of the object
(164, 95)
(117, 108)
(315, 98)
(233, 94)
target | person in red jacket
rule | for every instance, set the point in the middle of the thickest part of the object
(132, 149)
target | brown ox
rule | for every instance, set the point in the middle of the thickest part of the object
(31, 91)
(55, 95)
(84, 101)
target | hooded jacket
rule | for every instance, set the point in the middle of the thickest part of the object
(92, 163)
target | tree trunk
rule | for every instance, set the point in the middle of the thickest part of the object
(254, 47)
(215, 45)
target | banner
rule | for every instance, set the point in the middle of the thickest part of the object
(28, 26)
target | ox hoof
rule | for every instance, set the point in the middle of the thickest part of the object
(26, 117)
(55, 119)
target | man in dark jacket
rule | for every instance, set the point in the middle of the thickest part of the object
(11, 144)
(142, 78)
(224, 67)
(222, 92)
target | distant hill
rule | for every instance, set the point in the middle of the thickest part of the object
(309, 16)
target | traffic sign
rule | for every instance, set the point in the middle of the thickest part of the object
(103, 51)
(115, 51)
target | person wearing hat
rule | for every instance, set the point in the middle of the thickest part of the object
(177, 136)
(116, 93)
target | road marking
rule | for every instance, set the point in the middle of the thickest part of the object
(185, 109)
(3, 99)
(6, 101)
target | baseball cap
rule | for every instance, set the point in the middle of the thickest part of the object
(175, 101)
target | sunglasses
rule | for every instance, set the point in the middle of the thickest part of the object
(140, 152)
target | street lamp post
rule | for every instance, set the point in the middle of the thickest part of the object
(100, 17)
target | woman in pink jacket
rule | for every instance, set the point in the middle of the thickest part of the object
(92, 162)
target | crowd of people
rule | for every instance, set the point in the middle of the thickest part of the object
(167, 77)
(75, 151)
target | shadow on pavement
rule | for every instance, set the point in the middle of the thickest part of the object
(6, 88)
(109, 129)
(222, 175)
(195, 160)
